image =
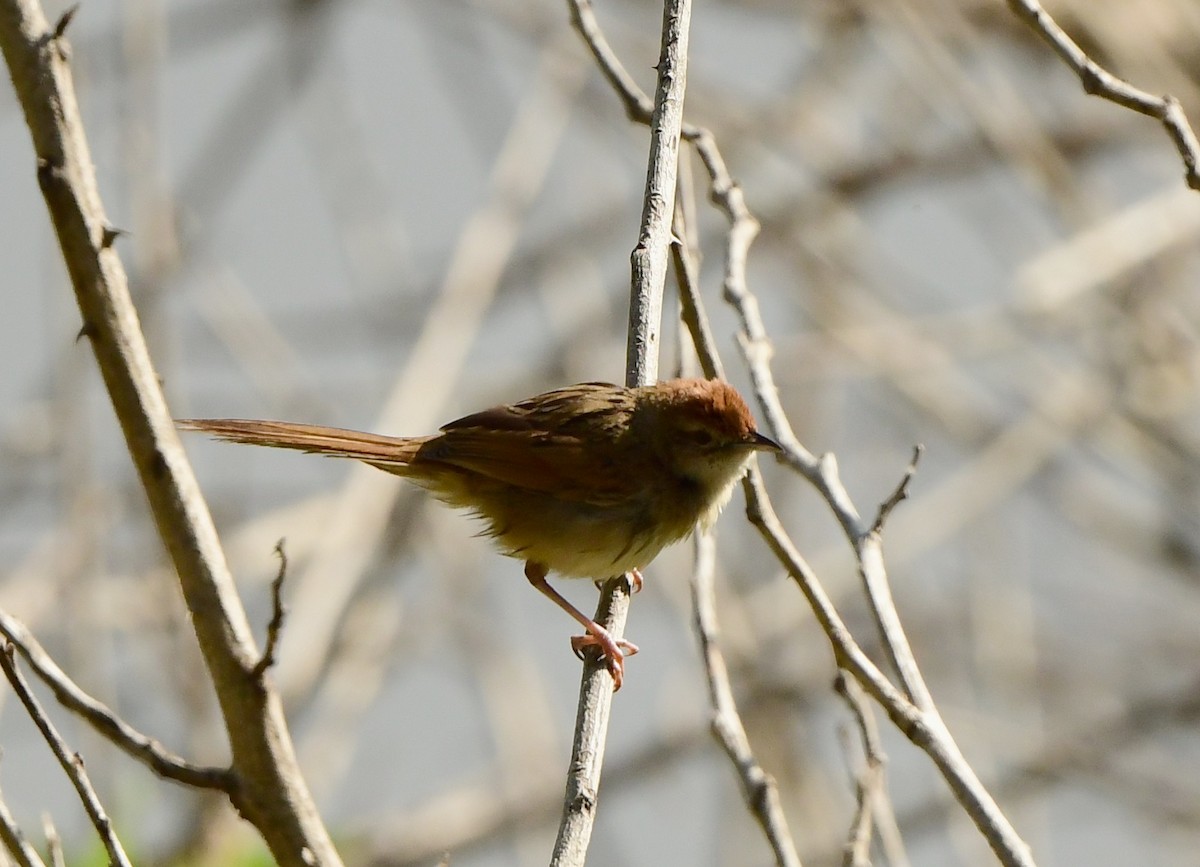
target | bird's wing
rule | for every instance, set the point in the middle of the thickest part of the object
(564, 410)
(561, 443)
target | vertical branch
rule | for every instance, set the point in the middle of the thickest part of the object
(648, 278)
(649, 259)
(758, 787)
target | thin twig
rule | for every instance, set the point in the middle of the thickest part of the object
(915, 713)
(758, 787)
(54, 845)
(71, 762)
(1098, 81)
(591, 731)
(856, 852)
(106, 723)
(685, 259)
(873, 807)
(900, 494)
(14, 840)
(275, 626)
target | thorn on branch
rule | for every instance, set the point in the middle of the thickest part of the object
(64, 21)
(275, 626)
(111, 233)
(901, 493)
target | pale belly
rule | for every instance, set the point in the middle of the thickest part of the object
(581, 540)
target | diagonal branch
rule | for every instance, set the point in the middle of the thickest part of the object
(145, 749)
(270, 791)
(15, 842)
(71, 762)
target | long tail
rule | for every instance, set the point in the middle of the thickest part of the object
(392, 454)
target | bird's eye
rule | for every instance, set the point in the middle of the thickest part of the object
(699, 436)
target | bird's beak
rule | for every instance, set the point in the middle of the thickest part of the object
(761, 441)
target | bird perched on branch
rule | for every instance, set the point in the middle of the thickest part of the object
(588, 481)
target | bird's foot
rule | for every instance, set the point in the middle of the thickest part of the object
(635, 580)
(613, 651)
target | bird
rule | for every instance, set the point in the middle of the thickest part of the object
(586, 481)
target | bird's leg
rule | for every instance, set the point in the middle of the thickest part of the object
(614, 649)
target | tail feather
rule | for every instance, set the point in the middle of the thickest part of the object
(388, 453)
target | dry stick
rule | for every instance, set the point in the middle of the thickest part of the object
(916, 715)
(71, 762)
(758, 787)
(15, 843)
(1098, 81)
(924, 728)
(54, 844)
(648, 278)
(691, 308)
(275, 625)
(857, 851)
(915, 712)
(649, 258)
(873, 803)
(106, 723)
(270, 792)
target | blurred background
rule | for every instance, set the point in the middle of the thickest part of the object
(384, 215)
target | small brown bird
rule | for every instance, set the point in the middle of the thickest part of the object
(588, 481)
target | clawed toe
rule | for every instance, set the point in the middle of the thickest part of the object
(613, 651)
(635, 580)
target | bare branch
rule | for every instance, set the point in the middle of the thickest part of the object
(758, 787)
(873, 808)
(15, 843)
(71, 762)
(270, 793)
(899, 495)
(1098, 81)
(106, 723)
(53, 841)
(687, 281)
(275, 626)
